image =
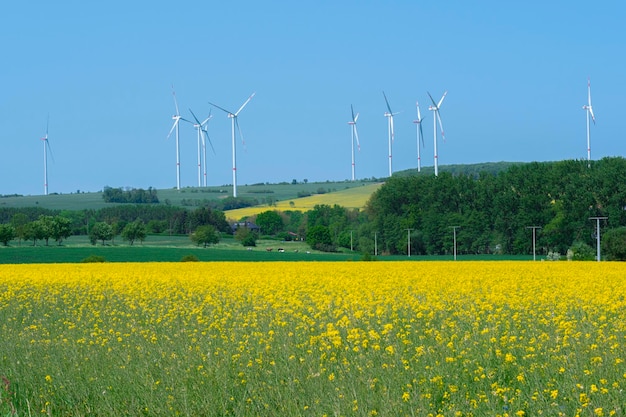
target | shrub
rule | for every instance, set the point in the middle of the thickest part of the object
(94, 258)
(189, 258)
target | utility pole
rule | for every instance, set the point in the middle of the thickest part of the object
(454, 234)
(351, 247)
(597, 219)
(408, 242)
(375, 244)
(534, 231)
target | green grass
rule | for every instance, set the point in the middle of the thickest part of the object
(193, 196)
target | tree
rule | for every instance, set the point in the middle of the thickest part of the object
(246, 236)
(45, 226)
(7, 233)
(100, 231)
(318, 237)
(61, 228)
(205, 235)
(134, 231)
(270, 222)
(614, 244)
(19, 222)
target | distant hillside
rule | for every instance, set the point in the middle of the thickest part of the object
(473, 170)
(191, 197)
(350, 198)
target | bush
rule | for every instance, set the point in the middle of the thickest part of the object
(94, 258)
(580, 251)
(189, 258)
(614, 244)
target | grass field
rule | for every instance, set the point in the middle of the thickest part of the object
(193, 196)
(313, 339)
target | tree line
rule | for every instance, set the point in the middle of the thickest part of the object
(487, 213)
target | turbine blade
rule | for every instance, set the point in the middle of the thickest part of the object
(194, 117)
(442, 97)
(172, 129)
(352, 110)
(387, 102)
(356, 135)
(175, 101)
(356, 118)
(221, 108)
(244, 104)
(419, 116)
(589, 101)
(243, 142)
(431, 99)
(421, 133)
(49, 149)
(443, 136)
(205, 132)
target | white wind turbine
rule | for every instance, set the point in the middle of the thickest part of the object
(355, 134)
(176, 117)
(435, 107)
(234, 122)
(420, 136)
(202, 133)
(46, 148)
(389, 115)
(589, 110)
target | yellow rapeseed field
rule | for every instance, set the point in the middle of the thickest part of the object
(314, 339)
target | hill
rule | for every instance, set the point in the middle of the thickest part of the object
(350, 198)
(257, 194)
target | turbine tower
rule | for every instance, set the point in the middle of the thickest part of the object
(435, 107)
(355, 134)
(420, 136)
(589, 110)
(389, 115)
(176, 117)
(234, 122)
(46, 147)
(202, 132)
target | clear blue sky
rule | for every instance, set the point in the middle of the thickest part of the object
(516, 75)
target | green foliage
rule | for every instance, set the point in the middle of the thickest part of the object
(7, 233)
(270, 222)
(614, 244)
(580, 251)
(494, 211)
(135, 195)
(189, 258)
(246, 236)
(205, 235)
(318, 237)
(93, 259)
(134, 231)
(100, 231)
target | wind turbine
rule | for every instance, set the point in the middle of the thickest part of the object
(202, 132)
(420, 136)
(234, 122)
(435, 107)
(176, 117)
(355, 134)
(389, 114)
(589, 110)
(46, 147)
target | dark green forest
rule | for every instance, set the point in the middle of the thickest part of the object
(494, 212)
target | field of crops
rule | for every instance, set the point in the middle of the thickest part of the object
(313, 339)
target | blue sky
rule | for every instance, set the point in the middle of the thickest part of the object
(516, 75)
